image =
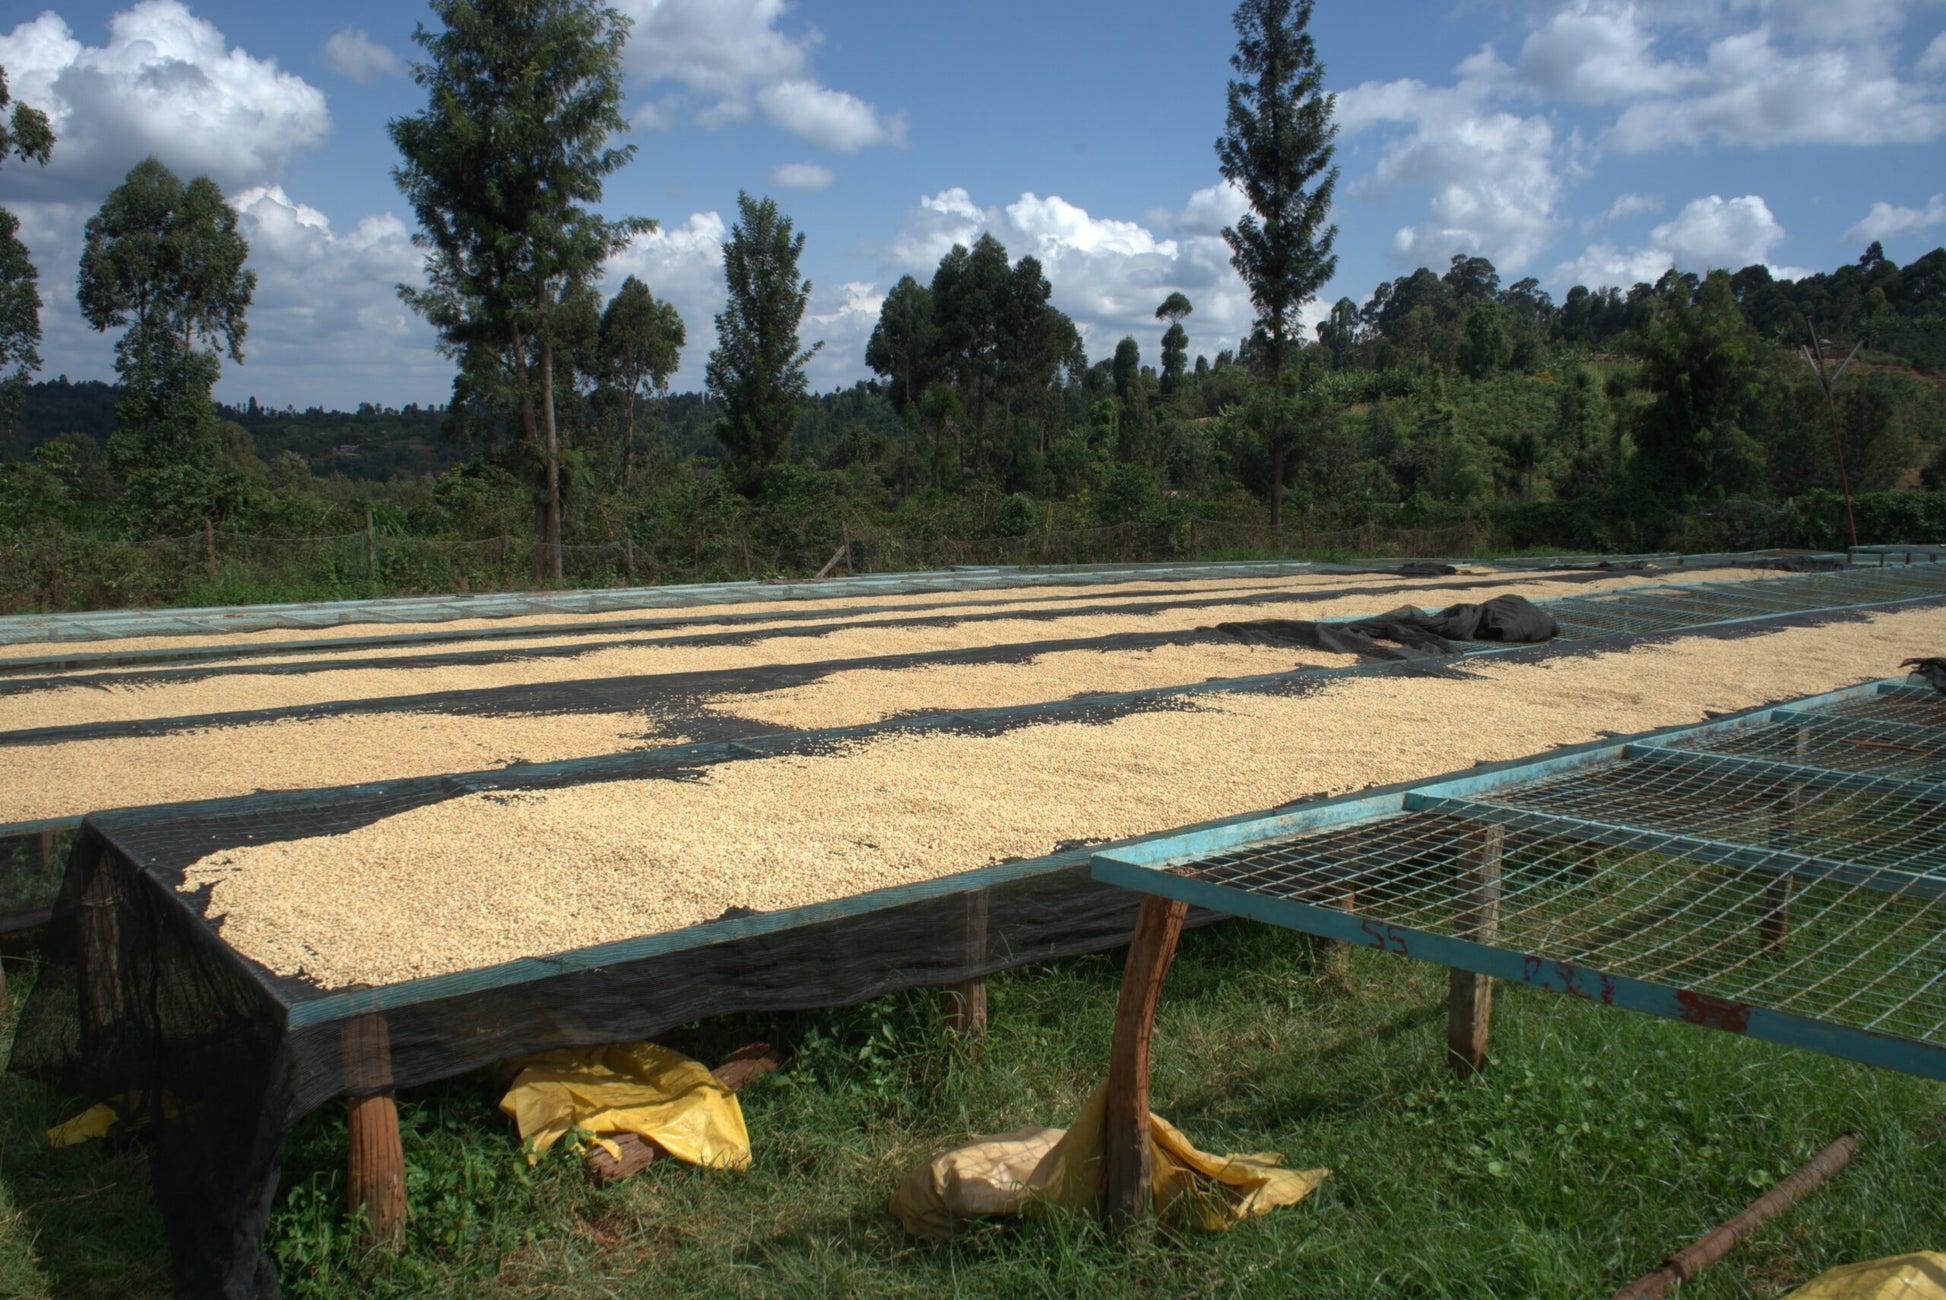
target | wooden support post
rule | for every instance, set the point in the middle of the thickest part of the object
(1126, 1177)
(374, 1160)
(1334, 955)
(1469, 997)
(47, 849)
(1774, 923)
(371, 546)
(628, 556)
(209, 547)
(966, 1002)
(100, 930)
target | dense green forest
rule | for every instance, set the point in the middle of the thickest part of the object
(1698, 412)
(1681, 413)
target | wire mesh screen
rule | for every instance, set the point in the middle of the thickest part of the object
(1869, 958)
(1645, 611)
(1793, 862)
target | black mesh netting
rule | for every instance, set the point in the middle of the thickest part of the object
(139, 995)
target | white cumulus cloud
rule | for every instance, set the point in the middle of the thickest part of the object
(1710, 233)
(683, 266)
(1933, 61)
(830, 119)
(1750, 91)
(326, 305)
(1107, 274)
(1885, 221)
(802, 176)
(1625, 206)
(353, 53)
(735, 56)
(166, 83)
(1491, 185)
(1597, 54)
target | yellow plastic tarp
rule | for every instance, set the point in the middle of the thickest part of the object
(104, 1117)
(638, 1088)
(1031, 1168)
(1919, 1276)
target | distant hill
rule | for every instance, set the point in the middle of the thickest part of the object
(372, 443)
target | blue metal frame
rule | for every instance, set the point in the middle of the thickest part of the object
(1147, 867)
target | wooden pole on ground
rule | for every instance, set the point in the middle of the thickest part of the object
(209, 547)
(1691, 1260)
(1126, 1177)
(966, 1001)
(374, 1160)
(1469, 997)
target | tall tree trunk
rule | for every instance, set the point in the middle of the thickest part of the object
(530, 430)
(1277, 480)
(628, 444)
(553, 459)
(1278, 433)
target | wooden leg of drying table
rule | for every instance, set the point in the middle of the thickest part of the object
(1469, 997)
(375, 1162)
(1774, 923)
(99, 923)
(1125, 1121)
(966, 1002)
(1334, 955)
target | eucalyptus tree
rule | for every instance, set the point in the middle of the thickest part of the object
(1175, 340)
(1276, 150)
(24, 135)
(640, 345)
(165, 260)
(20, 318)
(25, 132)
(757, 367)
(902, 346)
(502, 168)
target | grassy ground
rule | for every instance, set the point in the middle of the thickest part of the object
(1597, 1142)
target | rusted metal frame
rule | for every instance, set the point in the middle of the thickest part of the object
(1890, 1051)
(1695, 848)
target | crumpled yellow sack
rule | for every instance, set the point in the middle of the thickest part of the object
(1011, 1173)
(1918, 1276)
(105, 1117)
(639, 1088)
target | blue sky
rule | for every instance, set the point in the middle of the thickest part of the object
(1576, 141)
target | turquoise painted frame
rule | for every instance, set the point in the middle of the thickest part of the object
(1146, 868)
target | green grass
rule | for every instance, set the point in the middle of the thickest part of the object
(1597, 1142)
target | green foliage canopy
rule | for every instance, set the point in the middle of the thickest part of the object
(501, 169)
(757, 367)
